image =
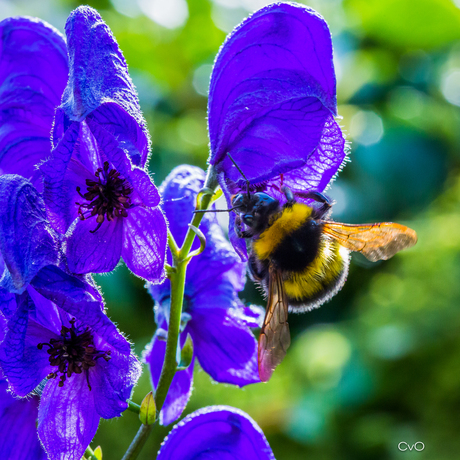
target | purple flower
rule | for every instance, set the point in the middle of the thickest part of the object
(27, 241)
(216, 432)
(99, 87)
(215, 318)
(33, 74)
(92, 380)
(18, 418)
(96, 190)
(272, 101)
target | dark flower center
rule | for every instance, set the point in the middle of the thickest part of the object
(73, 353)
(107, 196)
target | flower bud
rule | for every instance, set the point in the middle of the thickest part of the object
(148, 412)
(186, 354)
(98, 453)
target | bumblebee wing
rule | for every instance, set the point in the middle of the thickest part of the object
(274, 339)
(375, 241)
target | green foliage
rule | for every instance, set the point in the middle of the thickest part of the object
(424, 24)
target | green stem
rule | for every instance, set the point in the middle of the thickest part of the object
(138, 442)
(133, 407)
(177, 278)
(170, 362)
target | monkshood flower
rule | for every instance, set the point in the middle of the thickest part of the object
(33, 75)
(88, 364)
(29, 256)
(272, 101)
(95, 188)
(218, 323)
(18, 418)
(216, 432)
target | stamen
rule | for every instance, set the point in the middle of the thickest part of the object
(107, 197)
(73, 353)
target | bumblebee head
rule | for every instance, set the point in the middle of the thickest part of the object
(255, 209)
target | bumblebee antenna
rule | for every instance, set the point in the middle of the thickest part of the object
(241, 172)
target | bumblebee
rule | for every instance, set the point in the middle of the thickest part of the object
(301, 259)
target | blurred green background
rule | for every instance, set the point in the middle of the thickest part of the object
(380, 363)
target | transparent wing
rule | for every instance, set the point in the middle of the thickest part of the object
(274, 339)
(375, 241)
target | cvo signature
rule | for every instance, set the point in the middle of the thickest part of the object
(418, 446)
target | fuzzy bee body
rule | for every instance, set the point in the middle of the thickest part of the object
(313, 265)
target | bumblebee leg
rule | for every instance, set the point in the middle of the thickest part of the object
(256, 271)
(289, 195)
(319, 198)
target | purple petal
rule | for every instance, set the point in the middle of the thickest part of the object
(321, 168)
(181, 387)
(144, 187)
(224, 344)
(280, 140)
(8, 304)
(221, 432)
(18, 424)
(112, 381)
(127, 125)
(43, 311)
(144, 243)
(27, 241)
(33, 74)
(3, 327)
(67, 418)
(179, 191)
(108, 144)
(239, 244)
(60, 190)
(78, 299)
(22, 363)
(251, 315)
(96, 252)
(272, 87)
(99, 83)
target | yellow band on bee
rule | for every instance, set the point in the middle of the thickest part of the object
(290, 220)
(321, 273)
